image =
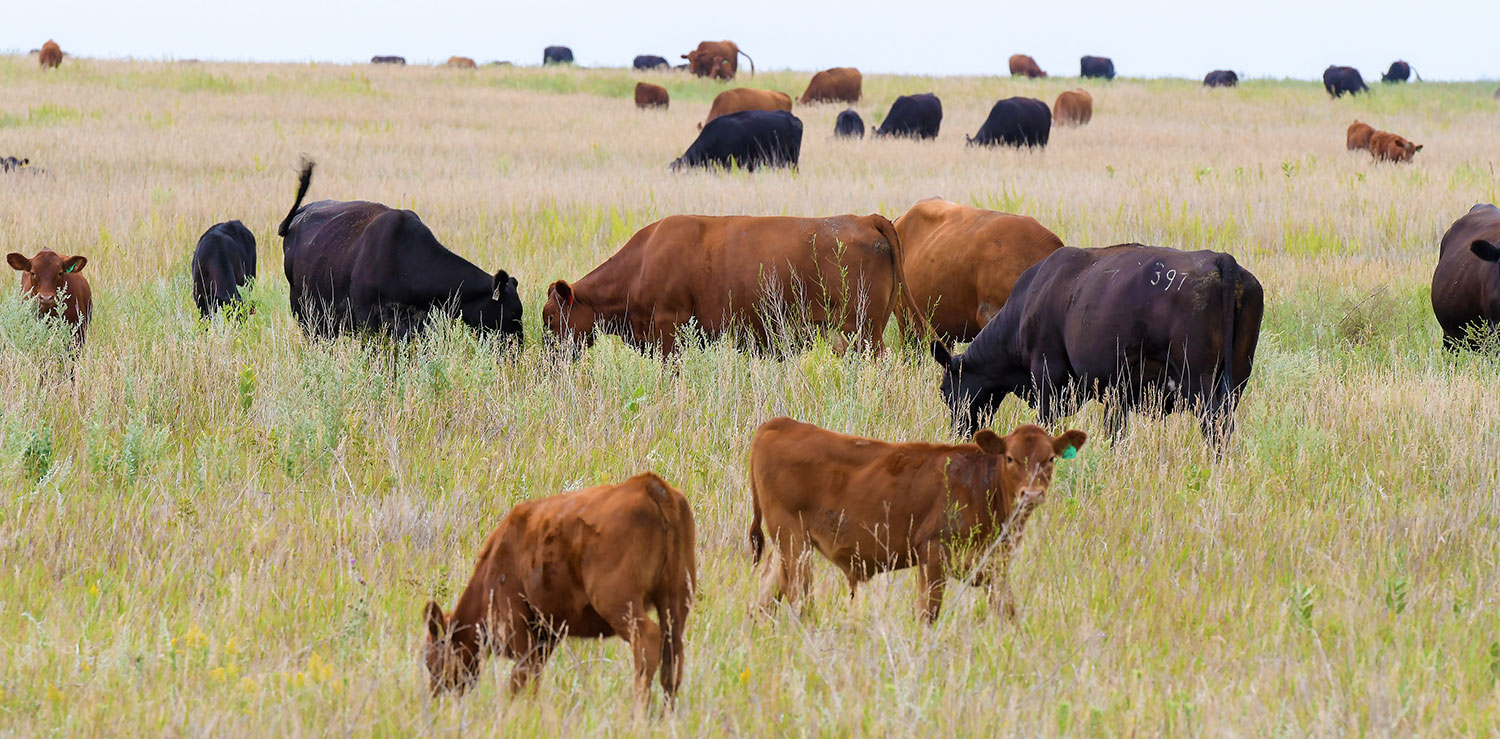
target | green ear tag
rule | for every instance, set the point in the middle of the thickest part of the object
(1070, 452)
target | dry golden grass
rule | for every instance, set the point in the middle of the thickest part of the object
(226, 529)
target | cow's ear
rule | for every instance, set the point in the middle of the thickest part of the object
(74, 264)
(1419, 148)
(18, 262)
(941, 353)
(990, 442)
(501, 280)
(563, 291)
(1481, 248)
(437, 623)
(1067, 445)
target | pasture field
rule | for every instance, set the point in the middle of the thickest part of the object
(223, 528)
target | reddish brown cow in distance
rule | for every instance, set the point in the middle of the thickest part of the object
(747, 98)
(1388, 147)
(51, 56)
(871, 506)
(961, 262)
(743, 272)
(648, 95)
(1024, 66)
(1073, 108)
(461, 62)
(587, 563)
(717, 59)
(46, 276)
(840, 84)
(1358, 136)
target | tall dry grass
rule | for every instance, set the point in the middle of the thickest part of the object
(223, 528)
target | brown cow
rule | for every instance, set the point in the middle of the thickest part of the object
(716, 59)
(871, 506)
(1388, 147)
(648, 95)
(1358, 136)
(461, 62)
(46, 275)
(1073, 108)
(1022, 65)
(588, 563)
(840, 84)
(51, 55)
(742, 272)
(961, 262)
(747, 98)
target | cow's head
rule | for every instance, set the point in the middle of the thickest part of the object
(44, 276)
(722, 69)
(452, 664)
(502, 312)
(969, 395)
(1027, 458)
(566, 316)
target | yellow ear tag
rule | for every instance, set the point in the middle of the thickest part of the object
(1070, 452)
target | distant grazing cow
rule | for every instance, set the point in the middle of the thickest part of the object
(461, 62)
(849, 125)
(1073, 108)
(1358, 136)
(360, 266)
(1024, 66)
(747, 98)
(913, 116)
(717, 59)
(223, 262)
(588, 564)
(1466, 283)
(1016, 122)
(962, 262)
(648, 95)
(1221, 78)
(1127, 325)
(645, 61)
(1096, 66)
(9, 164)
(557, 55)
(1399, 72)
(744, 273)
(1388, 147)
(870, 506)
(48, 277)
(750, 138)
(840, 84)
(397, 60)
(51, 55)
(1340, 80)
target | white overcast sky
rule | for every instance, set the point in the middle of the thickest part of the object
(1185, 38)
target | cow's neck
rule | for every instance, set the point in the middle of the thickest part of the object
(607, 288)
(469, 624)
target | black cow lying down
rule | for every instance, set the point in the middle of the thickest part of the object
(750, 137)
(1125, 324)
(223, 262)
(361, 266)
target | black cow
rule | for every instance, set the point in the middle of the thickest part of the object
(358, 265)
(557, 55)
(1097, 66)
(913, 116)
(1340, 80)
(1399, 72)
(400, 60)
(1130, 323)
(1015, 122)
(849, 125)
(223, 262)
(12, 163)
(1466, 283)
(750, 137)
(650, 62)
(1221, 78)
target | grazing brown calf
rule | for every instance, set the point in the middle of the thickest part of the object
(588, 563)
(1388, 147)
(1073, 108)
(1358, 136)
(461, 62)
(840, 84)
(648, 95)
(48, 274)
(747, 98)
(51, 57)
(1024, 66)
(870, 506)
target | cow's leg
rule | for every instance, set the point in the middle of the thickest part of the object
(629, 621)
(673, 616)
(930, 580)
(531, 648)
(1002, 600)
(773, 575)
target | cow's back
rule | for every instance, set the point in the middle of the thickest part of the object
(745, 98)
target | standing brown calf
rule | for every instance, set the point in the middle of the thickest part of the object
(1073, 108)
(1358, 136)
(587, 563)
(49, 275)
(1388, 147)
(648, 95)
(870, 506)
(51, 57)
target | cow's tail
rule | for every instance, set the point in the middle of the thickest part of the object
(677, 523)
(1414, 72)
(757, 537)
(748, 59)
(303, 181)
(1229, 281)
(904, 300)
